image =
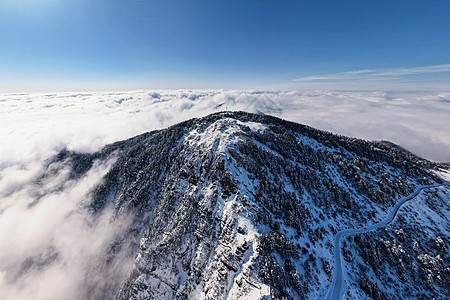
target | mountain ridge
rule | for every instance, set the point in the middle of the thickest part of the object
(237, 204)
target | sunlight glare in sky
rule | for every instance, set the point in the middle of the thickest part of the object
(29, 6)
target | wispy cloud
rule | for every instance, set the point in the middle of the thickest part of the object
(50, 247)
(380, 74)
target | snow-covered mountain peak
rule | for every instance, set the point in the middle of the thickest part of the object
(237, 205)
(220, 134)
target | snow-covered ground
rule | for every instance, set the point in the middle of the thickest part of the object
(338, 286)
(222, 136)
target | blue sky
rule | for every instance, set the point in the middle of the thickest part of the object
(130, 44)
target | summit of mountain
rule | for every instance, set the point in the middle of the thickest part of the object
(236, 205)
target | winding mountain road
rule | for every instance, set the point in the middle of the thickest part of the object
(338, 286)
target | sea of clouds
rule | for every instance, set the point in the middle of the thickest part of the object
(50, 246)
(32, 126)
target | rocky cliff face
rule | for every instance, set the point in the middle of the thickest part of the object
(238, 205)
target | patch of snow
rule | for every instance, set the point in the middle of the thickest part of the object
(443, 173)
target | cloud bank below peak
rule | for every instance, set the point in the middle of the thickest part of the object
(37, 125)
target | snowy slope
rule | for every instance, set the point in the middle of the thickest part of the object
(244, 206)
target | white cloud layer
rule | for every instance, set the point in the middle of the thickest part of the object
(47, 248)
(50, 248)
(32, 126)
